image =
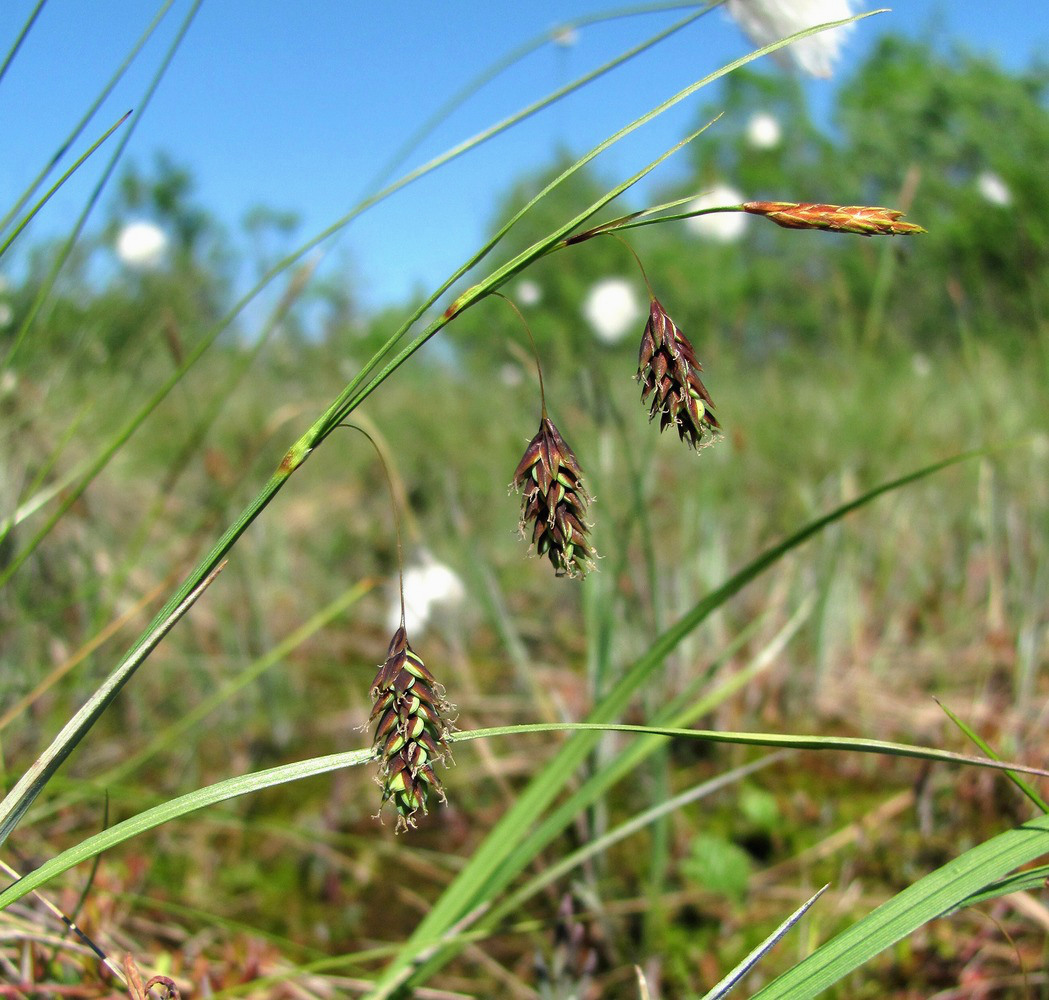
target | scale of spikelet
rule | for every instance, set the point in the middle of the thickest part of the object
(669, 373)
(410, 732)
(555, 502)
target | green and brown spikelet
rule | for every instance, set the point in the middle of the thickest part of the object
(669, 373)
(862, 220)
(555, 502)
(411, 732)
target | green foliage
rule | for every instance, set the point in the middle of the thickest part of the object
(718, 866)
(668, 629)
(943, 124)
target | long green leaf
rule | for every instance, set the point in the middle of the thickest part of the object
(786, 741)
(17, 44)
(36, 777)
(175, 808)
(257, 781)
(927, 899)
(46, 197)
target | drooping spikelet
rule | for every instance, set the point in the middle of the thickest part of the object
(669, 373)
(411, 732)
(862, 220)
(555, 502)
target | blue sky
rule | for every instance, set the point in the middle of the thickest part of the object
(296, 105)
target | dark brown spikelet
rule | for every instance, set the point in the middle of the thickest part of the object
(861, 220)
(669, 373)
(409, 710)
(555, 501)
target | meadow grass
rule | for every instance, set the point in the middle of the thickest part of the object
(868, 536)
(916, 596)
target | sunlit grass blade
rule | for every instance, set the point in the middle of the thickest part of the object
(28, 217)
(1024, 786)
(19, 799)
(257, 781)
(17, 43)
(473, 882)
(62, 255)
(787, 741)
(170, 735)
(733, 978)
(521, 52)
(88, 114)
(223, 791)
(929, 898)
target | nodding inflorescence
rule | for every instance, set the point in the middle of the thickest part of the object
(411, 732)
(553, 509)
(668, 371)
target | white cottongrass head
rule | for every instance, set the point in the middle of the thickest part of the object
(428, 584)
(993, 189)
(529, 293)
(612, 309)
(767, 21)
(722, 227)
(763, 131)
(141, 245)
(565, 36)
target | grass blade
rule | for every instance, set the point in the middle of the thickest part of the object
(29, 786)
(785, 741)
(732, 979)
(17, 44)
(931, 897)
(67, 248)
(61, 180)
(175, 808)
(88, 114)
(257, 781)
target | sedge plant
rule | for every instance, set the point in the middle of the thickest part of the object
(409, 707)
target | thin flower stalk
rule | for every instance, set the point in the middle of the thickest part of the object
(668, 371)
(862, 220)
(408, 707)
(555, 501)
